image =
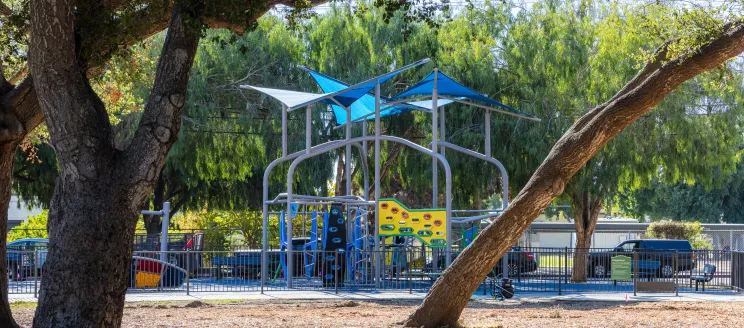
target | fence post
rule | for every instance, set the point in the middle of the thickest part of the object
(411, 255)
(36, 280)
(560, 276)
(635, 273)
(335, 273)
(263, 256)
(676, 273)
(188, 270)
(734, 275)
(565, 264)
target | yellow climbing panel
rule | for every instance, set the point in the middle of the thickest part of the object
(428, 225)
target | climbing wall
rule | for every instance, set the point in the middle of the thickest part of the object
(334, 241)
(428, 225)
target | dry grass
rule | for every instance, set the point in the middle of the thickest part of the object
(388, 313)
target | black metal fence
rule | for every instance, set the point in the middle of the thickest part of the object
(737, 271)
(560, 271)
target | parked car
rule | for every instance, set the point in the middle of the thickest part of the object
(519, 262)
(21, 258)
(660, 250)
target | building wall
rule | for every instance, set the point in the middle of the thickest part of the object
(19, 214)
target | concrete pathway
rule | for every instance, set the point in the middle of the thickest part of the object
(393, 295)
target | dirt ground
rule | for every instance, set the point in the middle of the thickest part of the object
(388, 313)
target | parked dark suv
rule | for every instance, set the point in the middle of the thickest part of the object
(649, 251)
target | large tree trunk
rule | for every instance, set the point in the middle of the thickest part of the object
(100, 190)
(7, 152)
(586, 212)
(451, 292)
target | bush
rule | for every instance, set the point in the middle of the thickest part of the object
(34, 227)
(691, 231)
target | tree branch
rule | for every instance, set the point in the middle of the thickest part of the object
(5, 10)
(76, 118)
(143, 159)
(177, 206)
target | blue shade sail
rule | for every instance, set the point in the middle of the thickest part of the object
(347, 96)
(449, 87)
(364, 107)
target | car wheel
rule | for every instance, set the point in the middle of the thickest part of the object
(513, 269)
(666, 271)
(598, 270)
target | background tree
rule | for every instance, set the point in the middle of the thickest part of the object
(687, 55)
(102, 187)
(585, 51)
(708, 203)
(692, 232)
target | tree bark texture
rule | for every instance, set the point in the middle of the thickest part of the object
(100, 190)
(19, 114)
(586, 210)
(7, 152)
(451, 292)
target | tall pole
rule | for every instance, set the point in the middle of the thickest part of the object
(488, 134)
(347, 153)
(289, 201)
(442, 131)
(434, 142)
(308, 127)
(284, 130)
(364, 146)
(164, 231)
(290, 245)
(377, 254)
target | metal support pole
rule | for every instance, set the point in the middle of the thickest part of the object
(676, 273)
(410, 254)
(565, 263)
(487, 132)
(188, 270)
(442, 130)
(36, 276)
(164, 231)
(290, 245)
(264, 235)
(560, 277)
(364, 160)
(434, 142)
(347, 154)
(377, 183)
(308, 128)
(635, 273)
(284, 130)
(505, 265)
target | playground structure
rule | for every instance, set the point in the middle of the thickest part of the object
(351, 244)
